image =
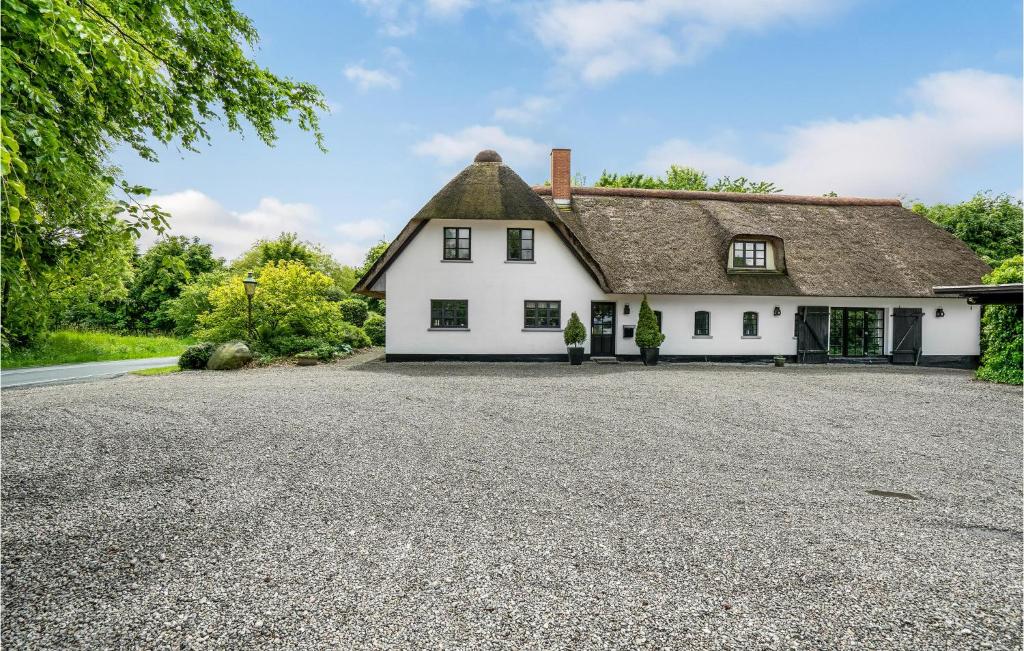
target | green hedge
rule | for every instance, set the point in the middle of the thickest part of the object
(1002, 335)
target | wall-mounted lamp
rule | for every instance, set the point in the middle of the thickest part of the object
(625, 308)
(939, 312)
(777, 311)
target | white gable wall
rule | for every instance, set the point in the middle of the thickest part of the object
(496, 290)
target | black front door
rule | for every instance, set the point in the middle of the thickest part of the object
(602, 329)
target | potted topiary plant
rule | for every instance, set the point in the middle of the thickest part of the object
(575, 334)
(648, 334)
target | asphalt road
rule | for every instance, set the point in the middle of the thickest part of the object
(62, 373)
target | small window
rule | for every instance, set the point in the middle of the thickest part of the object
(449, 314)
(702, 324)
(749, 254)
(657, 315)
(520, 244)
(456, 243)
(750, 324)
(542, 314)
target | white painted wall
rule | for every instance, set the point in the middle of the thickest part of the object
(956, 333)
(496, 290)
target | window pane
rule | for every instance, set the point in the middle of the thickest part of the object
(750, 324)
(448, 314)
(701, 324)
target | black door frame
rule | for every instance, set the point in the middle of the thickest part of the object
(614, 310)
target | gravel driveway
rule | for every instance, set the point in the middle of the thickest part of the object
(517, 506)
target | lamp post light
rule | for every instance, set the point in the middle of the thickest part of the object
(250, 289)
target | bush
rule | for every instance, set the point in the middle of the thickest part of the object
(197, 355)
(575, 334)
(1002, 334)
(648, 334)
(351, 336)
(354, 311)
(290, 312)
(375, 329)
(324, 352)
(288, 345)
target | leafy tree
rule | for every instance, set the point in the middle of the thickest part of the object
(648, 334)
(1002, 333)
(685, 178)
(375, 252)
(193, 301)
(83, 77)
(162, 272)
(80, 270)
(288, 247)
(990, 225)
(290, 312)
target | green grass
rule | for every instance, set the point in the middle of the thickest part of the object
(159, 370)
(74, 346)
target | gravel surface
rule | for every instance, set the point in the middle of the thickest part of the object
(517, 506)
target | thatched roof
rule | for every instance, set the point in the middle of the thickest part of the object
(486, 189)
(666, 242)
(635, 241)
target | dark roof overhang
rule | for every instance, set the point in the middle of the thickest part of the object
(1008, 294)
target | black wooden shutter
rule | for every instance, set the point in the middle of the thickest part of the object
(812, 334)
(906, 335)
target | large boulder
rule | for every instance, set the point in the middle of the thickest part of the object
(227, 357)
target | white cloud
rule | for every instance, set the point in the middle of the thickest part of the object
(401, 18)
(462, 146)
(369, 78)
(958, 119)
(363, 230)
(529, 110)
(603, 39)
(194, 213)
(449, 7)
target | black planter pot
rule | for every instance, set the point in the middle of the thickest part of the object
(576, 355)
(649, 356)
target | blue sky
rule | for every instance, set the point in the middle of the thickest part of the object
(915, 99)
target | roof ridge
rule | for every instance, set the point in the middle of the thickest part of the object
(737, 197)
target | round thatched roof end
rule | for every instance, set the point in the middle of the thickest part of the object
(487, 156)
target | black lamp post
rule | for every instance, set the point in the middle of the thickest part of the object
(250, 289)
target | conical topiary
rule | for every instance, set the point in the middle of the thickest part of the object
(575, 334)
(648, 334)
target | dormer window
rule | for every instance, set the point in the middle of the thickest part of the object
(755, 254)
(749, 254)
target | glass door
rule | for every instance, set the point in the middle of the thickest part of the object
(856, 332)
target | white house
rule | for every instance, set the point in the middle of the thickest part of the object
(491, 269)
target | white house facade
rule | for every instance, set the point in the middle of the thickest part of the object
(491, 269)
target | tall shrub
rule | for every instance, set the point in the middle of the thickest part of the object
(648, 334)
(1002, 334)
(375, 328)
(354, 311)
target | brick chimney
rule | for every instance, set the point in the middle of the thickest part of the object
(561, 186)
